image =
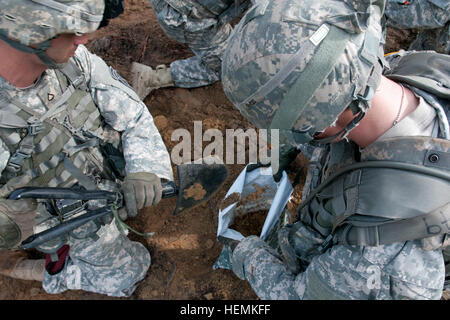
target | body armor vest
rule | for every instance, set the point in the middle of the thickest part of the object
(394, 190)
(59, 148)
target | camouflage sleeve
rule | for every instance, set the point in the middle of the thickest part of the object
(143, 147)
(424, 14)
(401, 270)
(264, 269)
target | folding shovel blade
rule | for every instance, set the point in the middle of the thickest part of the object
(197, 183)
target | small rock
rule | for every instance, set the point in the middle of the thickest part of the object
(209, 244)
(161, 122)
(209, 296)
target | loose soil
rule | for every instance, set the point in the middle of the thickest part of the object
(184, 247)
(250, 223)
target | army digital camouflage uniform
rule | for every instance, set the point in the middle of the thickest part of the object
(430, 16)
(204, 26)
(317, 267)
(401, 270)
(107, 261)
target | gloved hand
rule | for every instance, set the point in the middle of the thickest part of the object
(140, 190)
(287, 155)
(246, 247)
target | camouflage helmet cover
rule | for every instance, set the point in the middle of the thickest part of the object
(267, 64)
(35, 21)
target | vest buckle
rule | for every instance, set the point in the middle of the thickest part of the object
(326, 243)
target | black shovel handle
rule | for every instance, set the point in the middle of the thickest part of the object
(169, 189)
(61, 193)
(65, 227)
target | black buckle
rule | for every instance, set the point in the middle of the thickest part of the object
(13, 167)
(16, 161)
(326, 243)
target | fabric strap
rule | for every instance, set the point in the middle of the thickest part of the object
(40, 51)
(84, 180)
(315, 72)
(432, 224)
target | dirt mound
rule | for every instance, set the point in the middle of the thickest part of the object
(184, 247)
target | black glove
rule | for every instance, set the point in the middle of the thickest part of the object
(287, 155)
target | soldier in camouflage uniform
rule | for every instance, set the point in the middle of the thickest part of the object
(430, 16)
(203, 25)
(372, 223)
(61, 106)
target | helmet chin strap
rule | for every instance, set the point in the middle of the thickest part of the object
(40, 51)
(344, 132)
(359, 108)
(47, 61)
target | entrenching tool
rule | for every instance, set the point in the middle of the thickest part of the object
(196, 184)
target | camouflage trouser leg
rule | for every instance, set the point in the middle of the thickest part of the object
(205, 67)
(111, 265)
(421, 14)
(192, 73)
(433, 39)
(205, 35)
(430, 16)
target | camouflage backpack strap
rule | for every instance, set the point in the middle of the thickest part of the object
(428, 74)
(74, 74)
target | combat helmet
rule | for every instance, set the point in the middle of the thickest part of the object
(296, 65)
(36, 22)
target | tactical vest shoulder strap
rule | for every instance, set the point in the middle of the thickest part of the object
(74, 74)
